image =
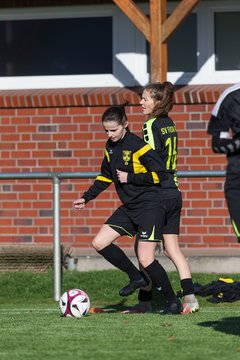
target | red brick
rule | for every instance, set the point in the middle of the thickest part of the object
(79, 111)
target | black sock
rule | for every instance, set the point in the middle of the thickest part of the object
(160, 279)
(187, 286)
(144, 295)
(119, 259)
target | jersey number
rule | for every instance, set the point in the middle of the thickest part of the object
(171, 145)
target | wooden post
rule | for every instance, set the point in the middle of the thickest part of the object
(158, 49)
(158, 29)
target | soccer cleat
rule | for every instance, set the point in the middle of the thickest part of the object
(190, 307)
(132, 286)
(142, 308)
(172, 308)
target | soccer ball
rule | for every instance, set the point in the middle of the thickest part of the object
(74, 303)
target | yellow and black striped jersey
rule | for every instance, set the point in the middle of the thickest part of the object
(146, 171)
(161, 134)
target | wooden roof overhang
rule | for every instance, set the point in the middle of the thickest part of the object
(157, 29)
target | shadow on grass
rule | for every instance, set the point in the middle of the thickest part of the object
(230, 325)
(118, 307)
(158, 303)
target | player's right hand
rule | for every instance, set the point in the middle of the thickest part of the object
(79, 204)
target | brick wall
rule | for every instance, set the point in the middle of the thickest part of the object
(60, 130)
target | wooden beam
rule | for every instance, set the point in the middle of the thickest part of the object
(158, 29)
(158, 49)
(136, 15)
(177, 17)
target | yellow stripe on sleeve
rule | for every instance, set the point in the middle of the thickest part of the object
(155, 177)
(137, 166)
(148, 134)
(103, 178)
(107, 155)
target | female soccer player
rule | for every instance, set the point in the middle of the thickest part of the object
(141, 212)
(159, 131)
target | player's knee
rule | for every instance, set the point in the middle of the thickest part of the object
(145, 260)
(96, 244)
(100, 241)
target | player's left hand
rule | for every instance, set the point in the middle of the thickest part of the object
(79, 204)
(122, 176)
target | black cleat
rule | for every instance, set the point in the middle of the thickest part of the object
(132, 286)
(173, 308)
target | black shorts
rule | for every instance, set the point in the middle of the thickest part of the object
(232, 195)
(173, 209)
(145, 221)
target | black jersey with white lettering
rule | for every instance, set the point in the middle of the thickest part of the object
(160, 133)
(145, 171)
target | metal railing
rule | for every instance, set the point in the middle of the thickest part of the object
(56, 181)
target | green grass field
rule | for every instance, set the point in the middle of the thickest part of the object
(31, 326)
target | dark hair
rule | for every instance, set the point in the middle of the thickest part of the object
(116, 113)
(162, 93)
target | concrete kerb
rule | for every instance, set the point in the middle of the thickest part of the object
(204, 260)
(220, 260)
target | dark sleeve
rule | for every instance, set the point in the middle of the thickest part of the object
(102, 181)
(151, 168)
(226, 120)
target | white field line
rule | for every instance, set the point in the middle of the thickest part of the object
(22, 310)
(56, 310)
